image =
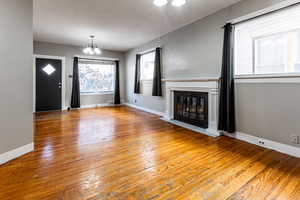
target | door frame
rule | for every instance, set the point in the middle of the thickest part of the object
(63, 78)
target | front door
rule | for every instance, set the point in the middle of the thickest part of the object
(48, 84)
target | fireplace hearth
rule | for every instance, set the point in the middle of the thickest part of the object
(191, 108)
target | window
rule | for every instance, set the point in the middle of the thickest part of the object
(269, 44)
(147, 66)
(96, 78)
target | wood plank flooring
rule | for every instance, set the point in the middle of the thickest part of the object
(120, 153)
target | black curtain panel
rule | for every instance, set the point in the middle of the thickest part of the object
(137, 81)
(157, 89)
(226, 103)
(117, 84)
(75, 99)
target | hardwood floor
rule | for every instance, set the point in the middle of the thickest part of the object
(122, 153)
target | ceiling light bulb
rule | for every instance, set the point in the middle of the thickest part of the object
(160, 3)
(86, 50)
(97, 51)
(92, 52)
(178, 3)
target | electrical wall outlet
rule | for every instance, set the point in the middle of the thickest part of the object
(135, 101)
(261, 142)
(295, 139)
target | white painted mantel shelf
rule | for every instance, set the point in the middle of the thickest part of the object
(203, 79)
(209, 85)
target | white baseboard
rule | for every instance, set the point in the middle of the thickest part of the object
(10, 155)
(97, 105)
(145, 109)
(204, 131)
(269, 144)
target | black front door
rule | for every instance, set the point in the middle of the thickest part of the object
(48, 84)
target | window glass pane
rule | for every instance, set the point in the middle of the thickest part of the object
(147, 66)
(96, 78)
(269, 44)
(297, 61)
(270, 54)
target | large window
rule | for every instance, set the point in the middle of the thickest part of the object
(269, 44)
(96, 78)
(147, 66)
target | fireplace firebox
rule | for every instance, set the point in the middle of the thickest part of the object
(191, 107)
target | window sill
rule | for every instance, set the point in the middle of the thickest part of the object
(95, 94)
(268, 78)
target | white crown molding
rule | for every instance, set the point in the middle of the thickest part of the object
(269, 144)
(10, 155)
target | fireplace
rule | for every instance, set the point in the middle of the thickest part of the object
(193, 104)
(191, 108)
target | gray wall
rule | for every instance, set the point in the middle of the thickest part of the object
(69, 52)
(16, 74)
(264, 110)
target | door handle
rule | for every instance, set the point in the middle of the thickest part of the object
(59, 85)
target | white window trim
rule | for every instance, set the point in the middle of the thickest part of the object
(268, 78)
(278, 76)
(96, 93)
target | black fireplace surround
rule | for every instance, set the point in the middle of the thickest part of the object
(191, 108)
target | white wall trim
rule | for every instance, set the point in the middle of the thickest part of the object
(10, 155)
(269, 144)
(267, 79)
(63, 78)
(97, 105)
(145, 109)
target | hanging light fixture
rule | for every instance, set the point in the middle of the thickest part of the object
(92, 49)
(178, 3)
(160, 3)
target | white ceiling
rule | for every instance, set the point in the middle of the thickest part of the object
(117, 24)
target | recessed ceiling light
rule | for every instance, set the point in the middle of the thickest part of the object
(178, 3)
(160, 3)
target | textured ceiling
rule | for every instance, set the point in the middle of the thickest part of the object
(117, 24)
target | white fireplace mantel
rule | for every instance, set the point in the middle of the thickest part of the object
(209, 85)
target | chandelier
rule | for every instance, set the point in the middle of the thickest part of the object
(176, 3)
(92, 49)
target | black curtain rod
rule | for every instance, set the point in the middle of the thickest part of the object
(144, 53)
(149, 51)
(268, 13)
